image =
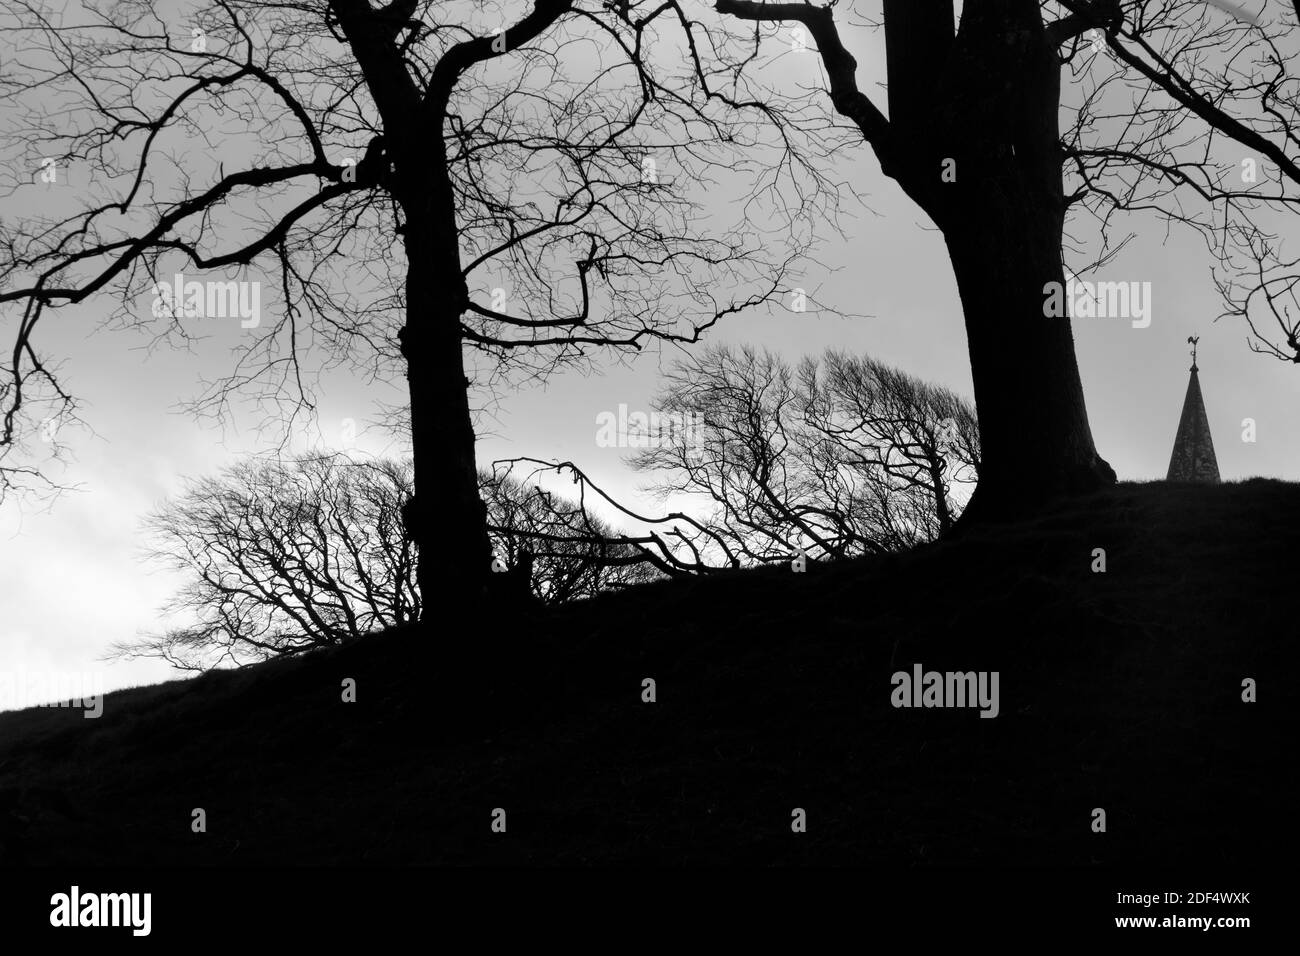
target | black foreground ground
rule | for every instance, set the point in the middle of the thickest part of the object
(1120, 690)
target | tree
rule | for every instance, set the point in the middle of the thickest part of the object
(284, 556)
(973, 137)
(837, 457)
(914, 440)
(571, 553)
(417, 179)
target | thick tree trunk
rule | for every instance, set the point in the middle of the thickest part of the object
(972, 137)
(988, 170)
(1035, 439)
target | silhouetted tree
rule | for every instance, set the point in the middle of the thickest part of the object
(1165, 94)
(573, 554)
(912, 440)
(283, 556)
(837, 457)
(417, 179)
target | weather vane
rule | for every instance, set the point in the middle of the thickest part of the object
(1193, 339)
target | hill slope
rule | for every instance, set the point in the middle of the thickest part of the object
(1119, 690)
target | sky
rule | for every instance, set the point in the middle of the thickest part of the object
(73, 580)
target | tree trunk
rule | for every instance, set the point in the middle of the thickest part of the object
(988, 170)
(1035, 439)
(446, 517)
(937, 489)
(972, 137)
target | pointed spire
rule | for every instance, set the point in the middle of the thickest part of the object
(1193, 456)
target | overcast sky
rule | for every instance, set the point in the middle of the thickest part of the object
(72, 581)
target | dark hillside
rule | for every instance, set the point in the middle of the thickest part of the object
(1119, 690)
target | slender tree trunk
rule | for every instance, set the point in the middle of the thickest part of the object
(446, 517)
(941, 508)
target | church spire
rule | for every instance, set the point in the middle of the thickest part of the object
(1193, 456)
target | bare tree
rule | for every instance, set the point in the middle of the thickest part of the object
(912, 440)
(676, 544)
(570, 553)
(1168, 96)
(413, 179)
(1258, 282)
(284, 556)
(837, 457)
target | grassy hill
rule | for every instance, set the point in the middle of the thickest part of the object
(1119, 690)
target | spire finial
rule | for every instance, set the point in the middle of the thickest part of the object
(1193, 339)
